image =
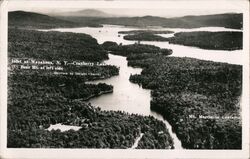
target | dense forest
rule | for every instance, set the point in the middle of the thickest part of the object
(54, 46)
(209, 40)
(71, 87)
(37, 101)
(145, 37)
(200, 99)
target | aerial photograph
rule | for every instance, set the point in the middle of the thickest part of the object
(108, 78)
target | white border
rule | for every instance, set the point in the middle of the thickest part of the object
(108, 153)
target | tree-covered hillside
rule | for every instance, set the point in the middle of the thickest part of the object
(24, 19)
(54, 46)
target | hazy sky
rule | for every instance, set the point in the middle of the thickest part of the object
(163, 12)
(131, 8)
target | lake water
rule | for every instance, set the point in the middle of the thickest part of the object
(127, 96)
(110, 33)
(131, 97)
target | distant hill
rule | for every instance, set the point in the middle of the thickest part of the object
(95, 18)
(218, 20)
(227, 20)
(85, 13)
(36, 20)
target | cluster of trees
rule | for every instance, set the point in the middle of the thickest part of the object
(184, 86)
(126, 50)
(209, 40)
(145, 37)
(71, 87)
(133, 57)
(54, 46)
(151, 142)
(37, 101)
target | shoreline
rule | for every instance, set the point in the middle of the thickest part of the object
(94, 95)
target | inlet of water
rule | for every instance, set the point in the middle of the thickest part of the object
(127, 96)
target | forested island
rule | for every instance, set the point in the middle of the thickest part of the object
(145, 35)
(209, 40)
(134, 49)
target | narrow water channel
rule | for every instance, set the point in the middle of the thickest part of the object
(127, 96)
